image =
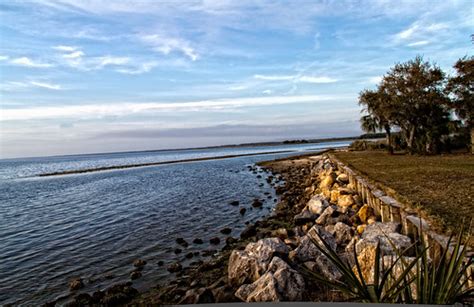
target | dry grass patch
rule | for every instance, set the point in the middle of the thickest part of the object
(440, 187)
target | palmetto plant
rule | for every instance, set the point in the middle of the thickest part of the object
(418, 279)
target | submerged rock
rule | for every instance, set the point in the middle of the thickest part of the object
(76, 284)
(215, 241)
(257, 203)
(135, 275)
(198, 241)
(175, 267)
(182, 242)
(234, 203)
(226, 230)
(138, 263)
(242, 211)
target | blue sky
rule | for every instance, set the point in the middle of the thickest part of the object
(83, 76)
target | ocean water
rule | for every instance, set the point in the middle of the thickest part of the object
(94, 225)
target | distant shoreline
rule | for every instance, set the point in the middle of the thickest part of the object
(106, 168)
(276, 143)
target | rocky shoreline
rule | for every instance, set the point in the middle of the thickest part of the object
(265, 263)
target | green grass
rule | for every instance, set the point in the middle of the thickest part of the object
(440, 187)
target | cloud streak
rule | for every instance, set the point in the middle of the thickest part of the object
(27, 62)
(125, 109)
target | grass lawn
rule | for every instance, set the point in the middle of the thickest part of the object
(442, 186)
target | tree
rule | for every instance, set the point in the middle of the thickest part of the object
(413, 95)
(378, 118)
(461, 87)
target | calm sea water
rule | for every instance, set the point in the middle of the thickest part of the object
(94, 225)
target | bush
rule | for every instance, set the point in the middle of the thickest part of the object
(361, 145)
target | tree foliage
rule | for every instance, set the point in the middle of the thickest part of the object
(416, 98)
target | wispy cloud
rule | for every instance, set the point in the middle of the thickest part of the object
(309, 79)
(65, 48)
(4, 57)
(166, 45)
(12, 86)
(418, 43)
(27, 62)
(49, 86)
(274, 77)
(125, 109)
(296, 78)
(140, 69)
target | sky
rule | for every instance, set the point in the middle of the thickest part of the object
(85, 76)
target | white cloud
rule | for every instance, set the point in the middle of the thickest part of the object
(27, 62)
(4, 57)
(13, 86)
(274, 77)
(420, 33)
(109, 60)
(65, 48)
(418, 43)
(49, 86)
(73, 55)
(375, 79)
(140, 69)
(296, 78)
(309, 79)
(167, 45)
(267, 92)
(125, 109)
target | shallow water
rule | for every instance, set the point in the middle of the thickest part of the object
(93, 225)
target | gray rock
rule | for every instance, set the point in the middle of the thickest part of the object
(326, 236)
(387, 243)
(379, 228)
(304, 217)
(327, 268)
(264, 250)
(262, 290)
(324, 218)
(242, 268)
(248, 265)
(306, 251)
(342, 233)
(280, 282)
(317, 204)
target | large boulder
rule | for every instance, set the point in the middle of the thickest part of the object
(306, 251)
(242, 268)
(280, 282)
(262, 290)
(389, 243)
(325, 217)
(345, 201)
(334, 196)
(327, 268)
(365, 212)
(317, 204)
(342, 233)
(343, 178)
(304, 217)
(328, 181)
(326, 236)
(266, 248)
(366, 259)
(379, 228)
(248, 265)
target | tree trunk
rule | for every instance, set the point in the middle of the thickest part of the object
(472, 139)
(389, 139)
(411, 138)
